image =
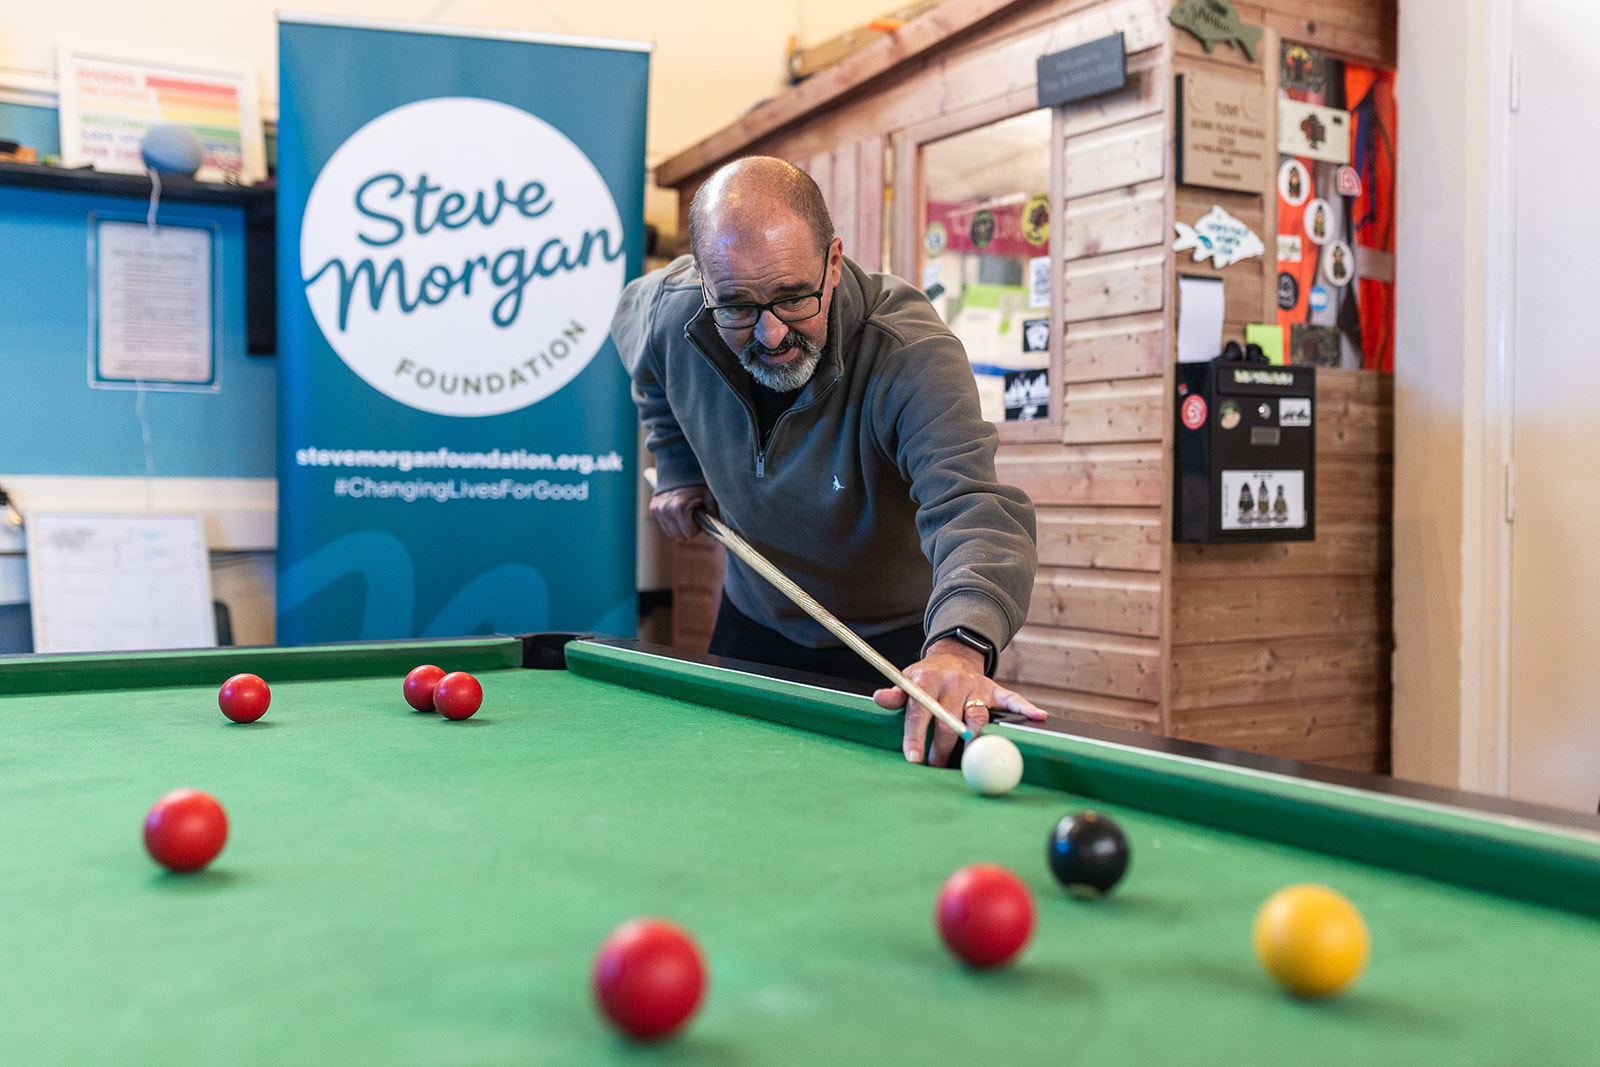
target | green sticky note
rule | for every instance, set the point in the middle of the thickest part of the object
(1270, 338)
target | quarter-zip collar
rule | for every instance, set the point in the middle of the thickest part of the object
(701, 331)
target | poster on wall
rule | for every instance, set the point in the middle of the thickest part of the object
(108, 103)
(458, 212)
(153, 312)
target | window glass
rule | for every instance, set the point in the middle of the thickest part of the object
(985, 255)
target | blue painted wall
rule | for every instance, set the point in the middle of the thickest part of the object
(51, 421)
(37, 127)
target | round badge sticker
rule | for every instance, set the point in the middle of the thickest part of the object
(1319, 221)
(935, 239)
(1294, 183)
(1229, 414)
(982, 230)
(1036, 219)
(1193, 411)
(1318, 299)
(1337, 263)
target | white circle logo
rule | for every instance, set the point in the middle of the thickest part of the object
(462, 256)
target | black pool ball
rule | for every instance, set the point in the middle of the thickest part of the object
(1088, 853)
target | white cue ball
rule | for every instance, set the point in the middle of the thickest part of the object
(991, 765)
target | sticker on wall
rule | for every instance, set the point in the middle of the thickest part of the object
(1319, 221)
(1348, 181)
(1302, 69)
(1039, 282)
(1337, 263)
(1035, 335)
(1218, 237)
(935, 239)
(1294, 183)
(1229, 414)
(1213, 22)
(1193, 411)
(982, 230)
(1317, 299)
(1288, 291)
(1288, 248)
(1027, 395)
(1036, 219)
(1294, 411)
(1313, 346)
(1314, 131)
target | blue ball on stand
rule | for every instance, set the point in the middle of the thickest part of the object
(171, 149)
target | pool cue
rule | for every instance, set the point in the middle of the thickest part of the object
(742, 548)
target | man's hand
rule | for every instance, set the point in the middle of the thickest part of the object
(951, 673)
(674, 509)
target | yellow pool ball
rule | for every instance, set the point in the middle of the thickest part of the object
(1311, 939)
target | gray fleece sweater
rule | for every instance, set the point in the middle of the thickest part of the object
(876, 491)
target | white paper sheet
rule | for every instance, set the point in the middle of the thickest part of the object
(1200, 306)
(153, 303)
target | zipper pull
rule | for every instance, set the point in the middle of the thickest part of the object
(761, 465)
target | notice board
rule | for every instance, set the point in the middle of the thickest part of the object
(105, 583)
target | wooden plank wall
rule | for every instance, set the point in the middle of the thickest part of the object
(1284, 648)
(1093, 646)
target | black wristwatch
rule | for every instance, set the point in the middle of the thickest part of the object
(973, 641)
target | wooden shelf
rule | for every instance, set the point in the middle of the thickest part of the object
(103, 183)
(260, 219)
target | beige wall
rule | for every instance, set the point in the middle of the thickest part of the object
(1437, 351)
(712, 61)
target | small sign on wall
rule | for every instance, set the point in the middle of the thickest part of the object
(1078, 73)
(1222, 133)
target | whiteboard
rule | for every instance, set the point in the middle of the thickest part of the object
(108, 583)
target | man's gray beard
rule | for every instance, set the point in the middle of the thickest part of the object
(784, 377)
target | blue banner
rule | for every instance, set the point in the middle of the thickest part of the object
(458, 212)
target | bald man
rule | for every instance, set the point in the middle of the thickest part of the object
(831, 418)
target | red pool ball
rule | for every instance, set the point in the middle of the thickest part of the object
(985, 914)
(244, 698)
(185, 830)
(457, 695)
(649, 978)
(419, 685)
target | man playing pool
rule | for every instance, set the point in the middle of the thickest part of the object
(831, 418)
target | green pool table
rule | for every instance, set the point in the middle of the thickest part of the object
(400, 889)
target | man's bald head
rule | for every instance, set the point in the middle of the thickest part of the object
(748, 192)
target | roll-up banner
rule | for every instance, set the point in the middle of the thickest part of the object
(458, 211)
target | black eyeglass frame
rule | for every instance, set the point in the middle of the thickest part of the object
(762, 309)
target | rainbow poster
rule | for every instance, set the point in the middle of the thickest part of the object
(107, 105)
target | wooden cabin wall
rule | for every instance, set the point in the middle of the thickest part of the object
(1277, 648)
(1285, 648)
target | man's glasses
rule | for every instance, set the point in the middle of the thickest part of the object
(789, 309)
